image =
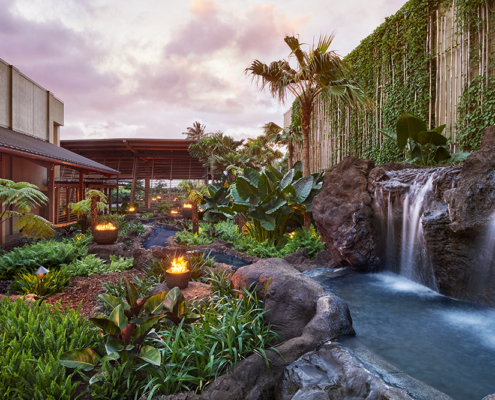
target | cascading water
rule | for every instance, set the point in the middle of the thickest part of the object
(407, 194)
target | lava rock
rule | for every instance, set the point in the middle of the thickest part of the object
(343, 214)
(104, 251)
(491, 397)
(290, 297)
(142, 258)
(331, 373)
(299, 257)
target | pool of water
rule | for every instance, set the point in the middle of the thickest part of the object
(230, 260)
(445, 343)
(159, 237)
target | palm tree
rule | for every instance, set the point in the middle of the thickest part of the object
(195, 195)
(318, 71)
(290, 137)
(196, 132)
(94, 203)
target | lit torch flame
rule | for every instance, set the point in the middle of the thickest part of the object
(132, 209)
(187, 205)
(179, 266)
(105, 227)
(173, 212)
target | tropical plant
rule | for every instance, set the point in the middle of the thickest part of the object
(192, 239)
(213, 198)
(32, 339)
(94, 202)
(50, 254)
(52, 283)
(269, 199)
(24, 196)
(123, 226)
(290, 136)
(200, 263)
(147, 215)
(196, 132)
(421, 145)
(195, 195)
(92, 264)
(318, 71)
(307, 238)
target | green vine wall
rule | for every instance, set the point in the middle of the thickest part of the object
(396, 65)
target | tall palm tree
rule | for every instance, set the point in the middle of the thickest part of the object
(318, 71)
(196, 132)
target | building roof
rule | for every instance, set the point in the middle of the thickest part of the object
(27, 146)
(142, 158)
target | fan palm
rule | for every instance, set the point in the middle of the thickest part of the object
(290, 137)
(318, 71)
(196, 132)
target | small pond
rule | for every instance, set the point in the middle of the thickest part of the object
(229, 260)
(445, 343)
(159, 237)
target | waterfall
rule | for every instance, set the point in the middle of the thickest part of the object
(407, 194)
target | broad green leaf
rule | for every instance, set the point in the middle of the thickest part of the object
(174, 302)
(227, 210)
(266, 221)
(409, 126)
(441, 154)
(87, 359)
(155, 303)
(113, 345)
(287, 179)
(106, 325)
(238, 208)
(432, 137)
(111, 357)
(388, 134)
(113, 301)
(275, 205)
(288, 192)
(131, 293)
(252, 176)
(150, 355)
(439, 129)
(235, 196)
(298, 166)
(263, 186)
(145, 326)
(244, 188)
(118, 317)
(303, 187)
(297, 175)
(99, 377)
(458, 157)
(275, 172)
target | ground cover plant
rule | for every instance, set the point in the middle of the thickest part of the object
(49, 253)
(33, 338)
(122, 225)
(51, 284)
(91, 264)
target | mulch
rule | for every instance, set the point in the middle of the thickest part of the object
(85, 290)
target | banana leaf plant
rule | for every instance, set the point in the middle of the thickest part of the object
(214, 198)
(421, 145)
(268, 200)
(128, 326)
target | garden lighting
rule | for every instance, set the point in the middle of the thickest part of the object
(158, 197)
(41, 271)
(187, 205)
(132, 209)
(153, 199)
(178, 274)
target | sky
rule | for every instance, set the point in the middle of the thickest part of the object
(150, 68)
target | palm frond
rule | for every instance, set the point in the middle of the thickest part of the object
(295, 46)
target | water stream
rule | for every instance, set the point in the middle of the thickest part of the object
(445, 343)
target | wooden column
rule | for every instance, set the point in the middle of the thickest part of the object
(57, 205)
(80, 195)
(51, 195)
(147, 193)
(133, 190)
(117, 194)
(110, 200)
(68, 194)
(2, 208)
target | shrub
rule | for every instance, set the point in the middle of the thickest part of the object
(147, 215)
(228, 231)
(199, 264)
(53, 282)
(91, 264)
(33, 337)
(50, 254)
(308, 238)
(192, 239)
(124, 226)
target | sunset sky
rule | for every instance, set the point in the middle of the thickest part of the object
(150, 68)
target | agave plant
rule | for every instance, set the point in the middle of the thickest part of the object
(422, 146)
(125, 330)
(269, 199)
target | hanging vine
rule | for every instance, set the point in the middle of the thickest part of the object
(397, 67)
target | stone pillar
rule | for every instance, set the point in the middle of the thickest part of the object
(147, 193)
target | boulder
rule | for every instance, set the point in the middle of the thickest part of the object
(290, 297)
(299, 257)
(343, 214)
(104, 251)
(491, 397)
(142, 258)
(332, 373)
(301, 261)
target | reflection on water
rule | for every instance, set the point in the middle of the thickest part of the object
(448, 344)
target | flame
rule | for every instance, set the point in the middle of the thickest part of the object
(179, 266)
(187, 205)
(159, 197)
(153, 199)
(173, 212)
(132, 209)
(105, 227)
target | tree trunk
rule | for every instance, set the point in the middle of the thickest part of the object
(84, 223)
(291, 153)
(195, 217)
(94, 212)
(305, 121)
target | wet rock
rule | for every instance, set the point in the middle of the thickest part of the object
(299, 257)
(331, 373)
(104, 251)
(343, 214)
(491, 397)
(290, 296)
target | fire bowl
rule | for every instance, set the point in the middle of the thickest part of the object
(105, 237)
(180, 280)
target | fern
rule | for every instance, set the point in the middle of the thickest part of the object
(23, 195)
